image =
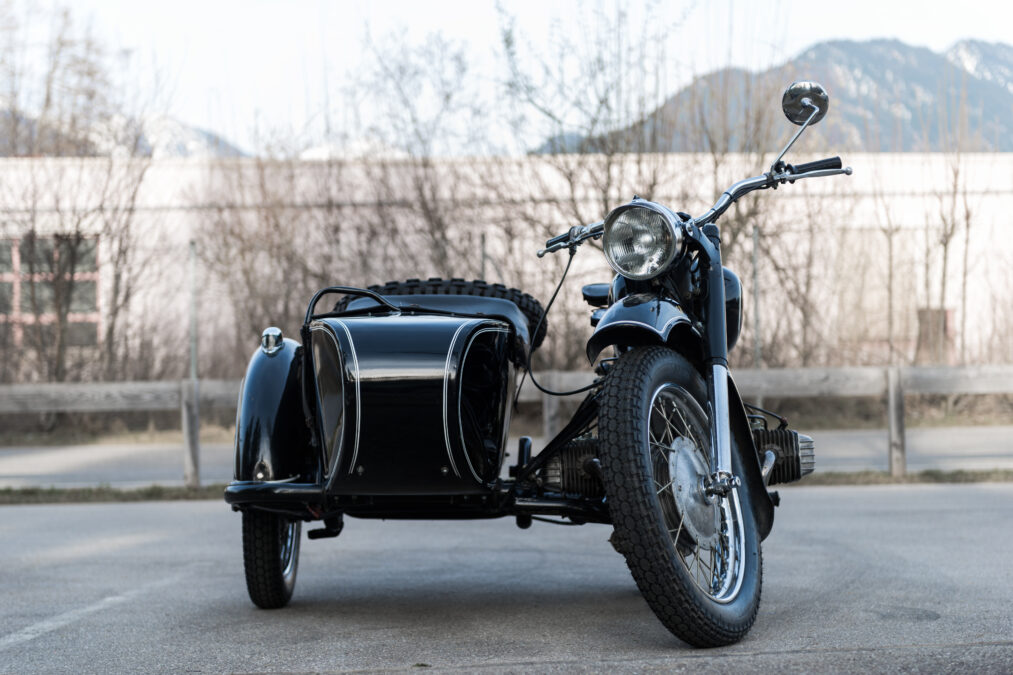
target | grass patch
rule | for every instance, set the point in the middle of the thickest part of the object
(209, 433)
(104, 493)
(884, 478)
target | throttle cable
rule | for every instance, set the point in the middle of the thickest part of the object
(527, 357)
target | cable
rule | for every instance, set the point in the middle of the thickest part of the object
(527, 360)
(782, 420)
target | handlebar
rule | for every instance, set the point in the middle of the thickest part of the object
(831, 166)
(828, 167)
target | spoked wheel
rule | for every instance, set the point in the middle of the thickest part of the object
(270, 556)
(695, 557)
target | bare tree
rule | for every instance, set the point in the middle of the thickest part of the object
(598, 102)
(955, 213)
(428, 107)
(66, 213)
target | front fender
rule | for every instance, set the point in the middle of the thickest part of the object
(272, 439)
(641, 319)
(749, 462)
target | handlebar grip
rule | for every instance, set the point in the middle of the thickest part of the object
(557, 240)
(818, 165)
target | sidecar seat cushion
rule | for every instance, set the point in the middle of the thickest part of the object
(496, 308)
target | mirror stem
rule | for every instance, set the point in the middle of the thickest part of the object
(809, 104)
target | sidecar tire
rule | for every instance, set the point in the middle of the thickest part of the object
(270, 557)
(529, 306)
(644, 517)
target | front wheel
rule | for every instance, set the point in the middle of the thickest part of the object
(270, 556)
(696, 558)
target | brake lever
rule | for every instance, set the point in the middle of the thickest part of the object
(788, 177)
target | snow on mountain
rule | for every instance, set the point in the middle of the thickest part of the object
(356, 149)
(989, 61)
(168, 137)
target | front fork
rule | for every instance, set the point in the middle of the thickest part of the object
(722, 480)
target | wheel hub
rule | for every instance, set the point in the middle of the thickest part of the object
(700, 514)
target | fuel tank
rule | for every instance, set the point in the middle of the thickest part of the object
(412, 404)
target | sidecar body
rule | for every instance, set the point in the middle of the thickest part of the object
(381, 412)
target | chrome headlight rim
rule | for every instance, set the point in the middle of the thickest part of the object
(673, 225)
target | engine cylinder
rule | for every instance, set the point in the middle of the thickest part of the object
(794, 453)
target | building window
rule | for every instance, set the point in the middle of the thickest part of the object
(37, 271)
(6, 261)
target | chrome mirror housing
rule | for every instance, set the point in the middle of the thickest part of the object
(801, 99)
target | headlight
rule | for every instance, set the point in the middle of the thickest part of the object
(641, 239)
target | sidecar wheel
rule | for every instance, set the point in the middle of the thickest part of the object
(696, 559)
(270, 556)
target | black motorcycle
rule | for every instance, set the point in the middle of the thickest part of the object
(397, 404)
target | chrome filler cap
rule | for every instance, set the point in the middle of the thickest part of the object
(271, 340)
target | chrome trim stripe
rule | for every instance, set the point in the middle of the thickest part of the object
(358, 396)
(460, 391)
(446, 394)
(322, 328)
(336, 460)
(630, 322)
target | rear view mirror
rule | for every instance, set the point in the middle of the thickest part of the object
(800, 97)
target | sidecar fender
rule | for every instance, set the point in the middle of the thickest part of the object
(644, 319)
(749, 462)
(272, 439)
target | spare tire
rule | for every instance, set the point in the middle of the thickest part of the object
(530, 308)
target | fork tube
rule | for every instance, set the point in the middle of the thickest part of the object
(721, 443)
(717, 353)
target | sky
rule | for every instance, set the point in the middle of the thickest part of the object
(244, 68)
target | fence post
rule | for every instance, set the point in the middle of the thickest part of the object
(550, 406)
(191, 433)
(895, 420)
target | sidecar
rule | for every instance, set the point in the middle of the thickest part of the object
(390, 406)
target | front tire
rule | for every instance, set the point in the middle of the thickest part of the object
(270, 557)
(695, 558)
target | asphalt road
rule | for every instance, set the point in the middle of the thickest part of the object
(885, 578)
(947, 448)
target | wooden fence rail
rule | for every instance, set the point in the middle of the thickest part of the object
(188, 396)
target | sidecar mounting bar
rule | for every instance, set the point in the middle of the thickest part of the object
(584, 416)
(347, 290)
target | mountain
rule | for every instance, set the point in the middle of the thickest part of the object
(885, 95)
(156, 136)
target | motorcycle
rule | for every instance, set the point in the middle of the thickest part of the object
(397, 401)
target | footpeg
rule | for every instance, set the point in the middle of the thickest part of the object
(332, 528)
